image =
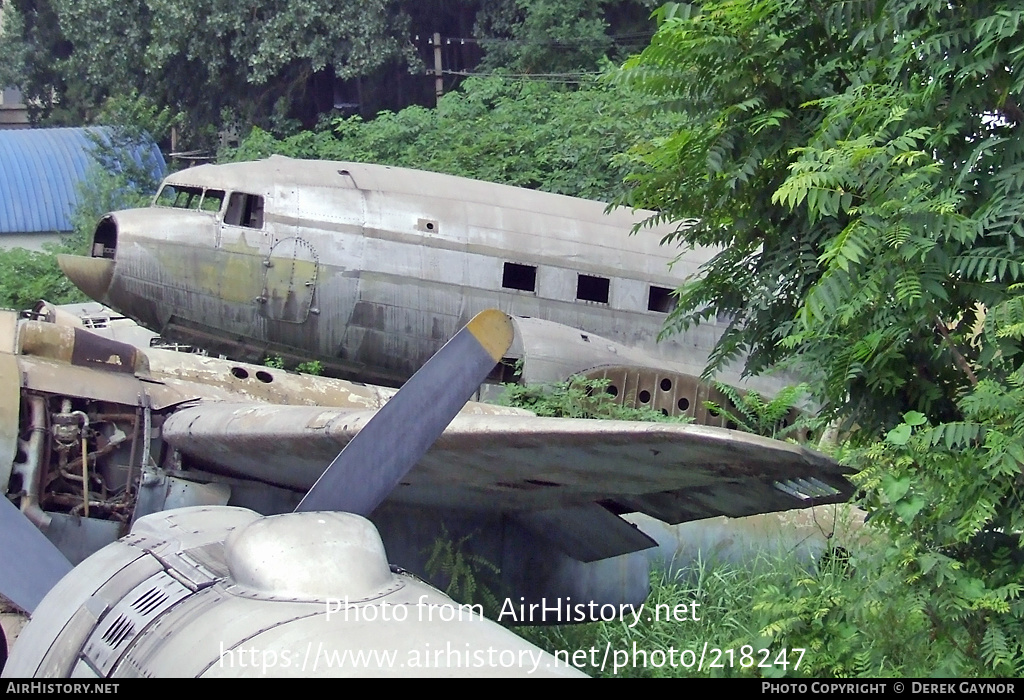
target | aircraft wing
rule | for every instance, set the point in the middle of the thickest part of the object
(527, 464)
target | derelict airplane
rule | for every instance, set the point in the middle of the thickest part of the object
(539, 498)
(107, 434)
(368, 269)
(223, 592)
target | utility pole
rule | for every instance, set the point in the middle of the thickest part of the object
(438, 81)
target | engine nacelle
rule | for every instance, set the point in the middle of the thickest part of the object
(221, 591)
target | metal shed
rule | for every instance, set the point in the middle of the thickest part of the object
(39, 173)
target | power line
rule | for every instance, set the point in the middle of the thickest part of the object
(634, 38)
(580, 77)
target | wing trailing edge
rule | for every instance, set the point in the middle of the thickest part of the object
(673, 472)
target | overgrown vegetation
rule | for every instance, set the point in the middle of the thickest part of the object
(469, 578)
(521, 133)
(313, 367)
(859, 163)
(752, 413)
(850, 618)
(578, 397)
(26, 276)
(279, 65)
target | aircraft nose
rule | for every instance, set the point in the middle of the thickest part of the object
(91, 275)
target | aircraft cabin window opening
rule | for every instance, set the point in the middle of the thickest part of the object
(590, 288)
(244, 210)
(521, 277)
(661, 299)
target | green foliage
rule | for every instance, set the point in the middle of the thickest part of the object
(26, 276)
(859, 165)
(313, 367)
(277, 64)
(201, 58)
(578, 398)
(851, 619)
(965, 549)
(524, 134)
(274, 362)
(466, 574)
(547, 36)
(753, 414)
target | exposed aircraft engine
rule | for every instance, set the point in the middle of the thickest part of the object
(222, 591)
(78, 434)
(105, 434)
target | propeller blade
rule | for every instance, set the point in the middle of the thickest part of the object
(30, 565)
(401, 432)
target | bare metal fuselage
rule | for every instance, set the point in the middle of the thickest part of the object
(369, 268)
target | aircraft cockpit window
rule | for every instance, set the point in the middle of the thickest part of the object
(182, 197)
(592, 288)
(187, 198)
(212, 201)
(166, 196)
(244, 210)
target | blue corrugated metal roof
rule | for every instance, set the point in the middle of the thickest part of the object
(39, 172)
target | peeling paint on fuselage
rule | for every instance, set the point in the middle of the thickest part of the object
(397, 264)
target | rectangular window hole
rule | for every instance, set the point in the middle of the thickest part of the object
(661, 299)
(592, 288)
(517, 276)
(244, 210)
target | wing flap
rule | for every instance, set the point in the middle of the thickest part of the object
(573, 531)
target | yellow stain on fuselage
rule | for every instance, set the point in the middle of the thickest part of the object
(232, 273)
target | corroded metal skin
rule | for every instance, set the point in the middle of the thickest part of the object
(675, 472)
(91, 275)
(370, 269)
(539, 498)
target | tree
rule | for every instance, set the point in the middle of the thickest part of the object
(860, 165)
(514, 132)
(125, 173)
(547, 36)
(32, 52)
(277, 64)
(207, 59)
(857, 162)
